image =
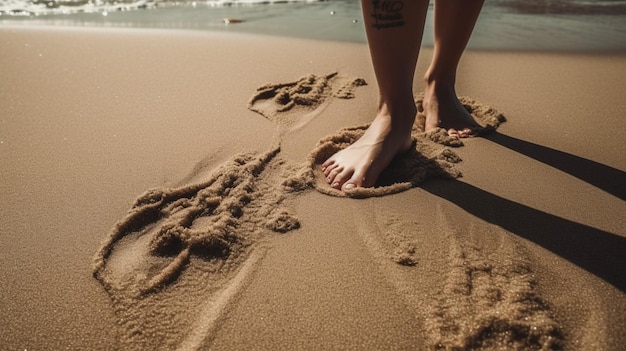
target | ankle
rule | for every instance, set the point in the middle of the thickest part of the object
(397, 107)
(441, 91)
(438, 81)
(397, 115)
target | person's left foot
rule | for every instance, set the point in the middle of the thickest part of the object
(443, 109)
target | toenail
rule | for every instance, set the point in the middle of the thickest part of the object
(335, 185)
(349, 186)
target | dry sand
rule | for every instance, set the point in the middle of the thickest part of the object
(160, 191)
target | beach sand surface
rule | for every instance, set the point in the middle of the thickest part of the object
(160, 190)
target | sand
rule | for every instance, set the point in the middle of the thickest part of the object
(161, 190)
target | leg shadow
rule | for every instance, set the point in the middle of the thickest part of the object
(599, 252)
(609, 179)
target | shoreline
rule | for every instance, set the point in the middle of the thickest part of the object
(498, 29)
(93, 118)
(25, 26)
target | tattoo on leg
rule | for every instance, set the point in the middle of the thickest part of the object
(388, 13)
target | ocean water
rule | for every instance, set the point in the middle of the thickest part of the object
(529, 25)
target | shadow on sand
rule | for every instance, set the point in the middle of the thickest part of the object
(599, 252)
(609, 179)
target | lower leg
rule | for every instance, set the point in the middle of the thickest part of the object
(394, 30)
(454, 22)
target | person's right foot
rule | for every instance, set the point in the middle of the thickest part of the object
(360, 164)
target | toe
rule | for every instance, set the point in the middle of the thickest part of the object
(328, 164)
(356, 180)
(332, 176)
(339, 180)
(328, 169)
(454, 133)
(469, 132)
(347, 186)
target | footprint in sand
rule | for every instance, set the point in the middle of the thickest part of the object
(172, 264)
(483, 294)
(489, 302)
(296, 103)
(213, 219)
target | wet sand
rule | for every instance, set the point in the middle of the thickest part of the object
(161, 191)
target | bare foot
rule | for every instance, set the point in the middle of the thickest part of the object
(360, 164)
(444, 110)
